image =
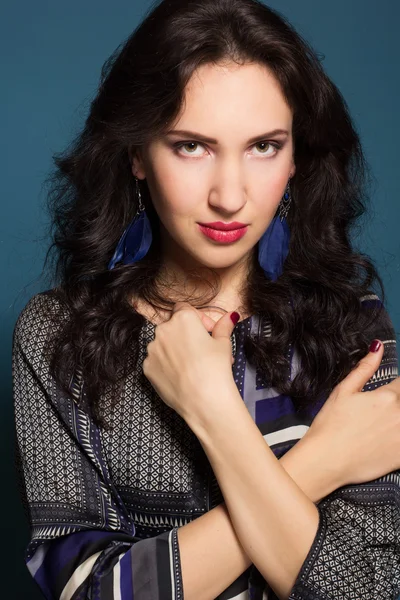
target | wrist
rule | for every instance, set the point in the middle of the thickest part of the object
(312, 467)
(212, 407)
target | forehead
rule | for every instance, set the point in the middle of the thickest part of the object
(226, 93)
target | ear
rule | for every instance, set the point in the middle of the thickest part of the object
(137, 163)
(292, 170)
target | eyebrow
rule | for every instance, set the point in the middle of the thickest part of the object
(193, 134)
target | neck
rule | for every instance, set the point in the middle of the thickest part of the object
(182, 279)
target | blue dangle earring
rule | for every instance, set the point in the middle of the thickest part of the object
(273, 247)
(136, 239)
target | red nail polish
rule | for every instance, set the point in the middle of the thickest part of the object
(235, 317)
(375, 345)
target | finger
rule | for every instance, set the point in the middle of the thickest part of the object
(366, 368)
(225, 326)
(208, 322)
(188, 308)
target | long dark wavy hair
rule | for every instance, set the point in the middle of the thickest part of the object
(92, 199)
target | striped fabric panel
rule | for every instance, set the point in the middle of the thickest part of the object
(79, 576)
(98, 565)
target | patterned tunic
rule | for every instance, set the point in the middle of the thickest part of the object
(104, 506)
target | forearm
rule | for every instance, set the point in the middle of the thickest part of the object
(313, 468)
(273, 518)
(212, 556)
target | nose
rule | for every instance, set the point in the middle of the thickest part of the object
(229, 194)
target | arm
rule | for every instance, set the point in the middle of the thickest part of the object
(356, 546)
(212, 556)
(356, 552)
(274, 520)
(82, 536)
(120, 555)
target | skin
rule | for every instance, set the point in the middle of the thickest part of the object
(231, 180)
(234, 180)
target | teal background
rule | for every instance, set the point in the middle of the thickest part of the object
(52, 53)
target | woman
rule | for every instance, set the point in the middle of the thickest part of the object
(141, 413)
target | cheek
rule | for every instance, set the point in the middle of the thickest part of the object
(273, 189)
(278, 187)
(173, 197)
(179, 192)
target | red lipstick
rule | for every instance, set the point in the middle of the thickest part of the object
(228, 236)
(224, 226)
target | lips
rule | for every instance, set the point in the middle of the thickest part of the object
(220, 226)
(223, 236)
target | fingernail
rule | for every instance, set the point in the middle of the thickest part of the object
(375, 345)
(235, 317)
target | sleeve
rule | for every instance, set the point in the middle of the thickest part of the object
(83, 542)
(356, 550)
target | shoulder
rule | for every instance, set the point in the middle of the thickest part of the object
(39, 321)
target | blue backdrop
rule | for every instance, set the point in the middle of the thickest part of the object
(52, 53)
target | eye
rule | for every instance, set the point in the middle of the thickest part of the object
(192, 146)
(180, 145)
(275, 146)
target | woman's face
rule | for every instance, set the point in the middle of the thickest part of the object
(239, 174)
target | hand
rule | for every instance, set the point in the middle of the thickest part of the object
(188, 368)
(209, 323)
(359, 432)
